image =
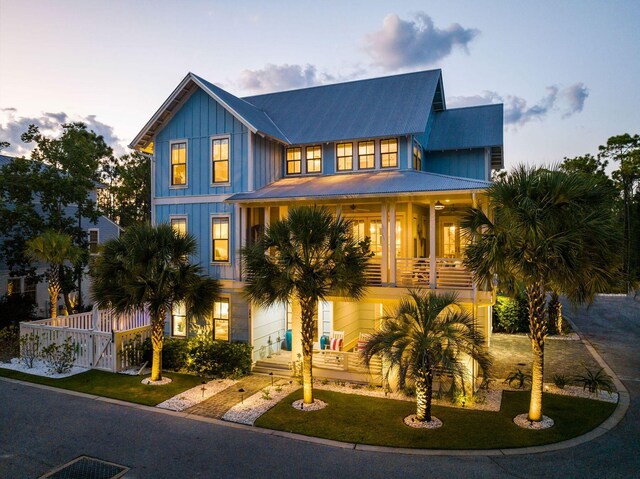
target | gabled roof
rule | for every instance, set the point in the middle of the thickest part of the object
(5, 160)
(461, 128)
(374, 183)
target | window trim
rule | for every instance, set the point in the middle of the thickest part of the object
(211, 168)
(286, 161)
(306, 159)
(89, 231)
(180, 217)
(374, 155)
(352, 155)
(186, 325)
(220, 299)
(211, 239)
(397, 152)
(186, 164)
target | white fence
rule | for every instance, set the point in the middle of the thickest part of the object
(100, 337)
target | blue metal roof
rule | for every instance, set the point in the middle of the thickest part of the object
(374, 183)
(5, 160)
(387, 106)
(473, 127)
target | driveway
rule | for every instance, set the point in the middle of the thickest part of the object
(42, 429)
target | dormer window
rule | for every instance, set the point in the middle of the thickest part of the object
(179, 163)
(366, 155)
(294, 161)
(314, 159)
(389, 153)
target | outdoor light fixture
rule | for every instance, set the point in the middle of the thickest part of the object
(438, 206)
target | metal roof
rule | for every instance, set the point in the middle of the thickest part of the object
(5, 160)
(360, 184)
(460, 128)
(393, 105)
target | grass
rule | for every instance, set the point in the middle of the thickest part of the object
(116, 386)
(367, 420)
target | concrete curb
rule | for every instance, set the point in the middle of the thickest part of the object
(611, 422)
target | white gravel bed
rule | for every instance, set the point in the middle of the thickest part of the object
(411, 421)
(523, 421)
(253, 407)
(40, 368)
(578, 391)
(195, 395)
(315, 406)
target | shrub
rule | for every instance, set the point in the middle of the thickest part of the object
(517, 379)
(511, 315)
(174, 354)
(16, 308)
(207, 357)
(595, 382)
(60, 357)
(9, 343)
(560, 380)
(29, 349)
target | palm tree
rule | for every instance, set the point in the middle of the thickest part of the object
(148, 267)
(550, 231)
(307, 256)
(53, 248)
(427, 331)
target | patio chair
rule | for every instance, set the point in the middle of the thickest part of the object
(336, 341)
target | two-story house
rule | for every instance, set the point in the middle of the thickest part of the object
(384, 152)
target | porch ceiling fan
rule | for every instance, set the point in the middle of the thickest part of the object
(358, 209)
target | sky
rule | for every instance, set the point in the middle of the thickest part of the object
(566, 71)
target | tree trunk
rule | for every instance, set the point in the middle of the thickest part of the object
(424, 391)
(157, 340)
(555, 313)
(53, 287)
(308, 307)
(538, 332)
(68, 303)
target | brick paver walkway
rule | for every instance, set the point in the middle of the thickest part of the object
(217, 405)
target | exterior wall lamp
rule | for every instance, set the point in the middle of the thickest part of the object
(438, 206)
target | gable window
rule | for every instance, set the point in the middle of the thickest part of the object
(179, 320)
(179, 164)
(417, 157)
(344, 156)
(94, 241)
(294, 161)
(366, 154)
(179, 224)
(389, 153)
(220, 240)
(221, 320)
(220, 160)
(314, 159)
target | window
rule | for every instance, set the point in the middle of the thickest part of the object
(294, 161)
(30, 289)
(314, 159)
(389, 153)
(179, 224)
(220, 239)
(417, 157)
(221, 320)
(94, 241)
(179, 320)
(344, 156)
(14, 286)
(220, 160)
(179, 164)
(366, 154)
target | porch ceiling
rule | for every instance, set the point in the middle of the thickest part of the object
(357, 185)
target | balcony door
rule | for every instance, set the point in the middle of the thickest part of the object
(452, 242)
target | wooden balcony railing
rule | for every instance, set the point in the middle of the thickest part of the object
(373, 273)
(413, 272)
(450, 273)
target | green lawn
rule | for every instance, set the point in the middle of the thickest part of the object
(375, 421)
(116, 386)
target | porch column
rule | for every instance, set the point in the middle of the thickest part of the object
(237, 215)
(338, 211)
(392, 244)
(385, 244)
(267, 216)
(432, 245)
(409, 252)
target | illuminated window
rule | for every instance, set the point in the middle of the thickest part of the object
(375, 233)
(94, 241)
(366, 154)
(179, 225)
(344, 156)
(314, 159)
(221, 320)
(179, 164)
(294, 161)
(14, 286)
(220, 239)
(389, 153)
(449, 244)
(417, 157)
(358, 229)
(220, 160)
(179, 320)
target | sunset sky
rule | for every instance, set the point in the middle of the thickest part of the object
(567, 71)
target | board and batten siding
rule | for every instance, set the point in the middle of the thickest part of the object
(268, 161)
(462, 163)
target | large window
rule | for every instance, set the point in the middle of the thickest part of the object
(389, 153)
(366, 154)
(179, 164)
(314, 159)
(220, 239)
(221, 320)
(294, 161)
(94, 241)
(220, 160)
(344, 156)
(417, 157)
(179, 224)
(179, 320)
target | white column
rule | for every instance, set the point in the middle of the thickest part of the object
(392, 244)
(338, 210)
(432, 244)
(408, 228)
(267, 217)
(385, 244)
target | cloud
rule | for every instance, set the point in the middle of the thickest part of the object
(281, 77)
(12, 126)
(410, 43)
(567, 101)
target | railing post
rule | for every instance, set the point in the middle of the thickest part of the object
(432, 245)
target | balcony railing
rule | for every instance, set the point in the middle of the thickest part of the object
(450, 273)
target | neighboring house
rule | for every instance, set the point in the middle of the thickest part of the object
(385, 153)
(97, 233)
